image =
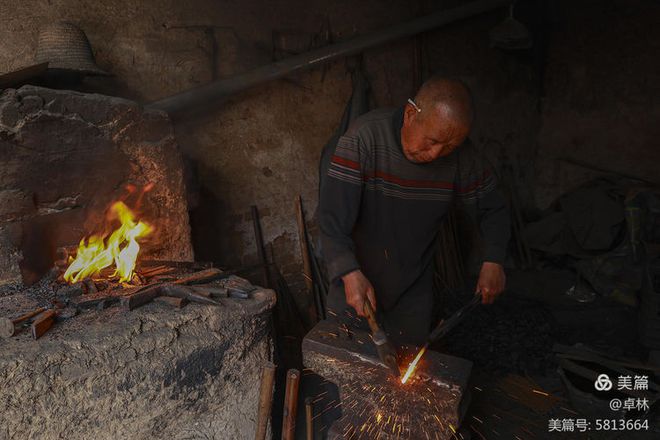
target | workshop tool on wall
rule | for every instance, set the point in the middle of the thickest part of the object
(259, 241)
(290, 404)
(441, 330)
(316, 281)
(8, 326)
(321, 282)
(265, 400)
(309, 417)
(386, 350)
(315, 308)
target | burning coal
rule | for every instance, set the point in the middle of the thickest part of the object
(120, 247)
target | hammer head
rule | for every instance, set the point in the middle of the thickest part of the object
(386, 352)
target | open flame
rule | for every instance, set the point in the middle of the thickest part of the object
(100, 251)
(413, 365)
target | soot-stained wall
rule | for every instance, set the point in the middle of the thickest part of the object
(601, 89)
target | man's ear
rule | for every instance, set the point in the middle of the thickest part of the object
(409, 114)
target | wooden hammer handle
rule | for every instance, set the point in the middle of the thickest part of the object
(371, 316)
(265, 400)
(28, 315)
(290, 404)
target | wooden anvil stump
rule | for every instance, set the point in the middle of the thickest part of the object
(376, 404)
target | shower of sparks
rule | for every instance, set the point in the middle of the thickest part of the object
(386, 414)
(413, 365)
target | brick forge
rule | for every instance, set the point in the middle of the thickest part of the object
(376, 405)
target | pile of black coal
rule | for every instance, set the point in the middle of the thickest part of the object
(512, 335)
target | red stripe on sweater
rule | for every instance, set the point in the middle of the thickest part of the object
(410, 183)
(345, 162)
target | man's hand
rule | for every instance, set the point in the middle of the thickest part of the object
(358, 289)
(491, 281)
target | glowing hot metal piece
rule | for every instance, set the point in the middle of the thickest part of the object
(413, 365)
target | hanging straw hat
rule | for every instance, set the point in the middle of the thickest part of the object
(66, 48)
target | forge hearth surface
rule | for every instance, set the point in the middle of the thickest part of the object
(154, 372)
(66, 156)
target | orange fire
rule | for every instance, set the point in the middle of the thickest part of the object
(101, 251)
(413, 365)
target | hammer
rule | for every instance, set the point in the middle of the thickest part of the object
(386, 351)
(8, 326)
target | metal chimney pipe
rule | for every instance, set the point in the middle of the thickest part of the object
(208, 93)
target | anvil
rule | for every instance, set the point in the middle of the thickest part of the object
(375, 404)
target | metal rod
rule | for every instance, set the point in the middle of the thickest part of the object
(302, 237)
(215, 90)
(321, 283)
(259, 241)
(314, 308)
(448, 324)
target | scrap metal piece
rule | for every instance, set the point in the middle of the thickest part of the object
(430, 405)
(177, 303)
(187, 293)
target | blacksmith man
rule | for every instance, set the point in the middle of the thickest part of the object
(387, 190)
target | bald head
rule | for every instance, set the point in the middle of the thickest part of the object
(448, 97)
(439, 122)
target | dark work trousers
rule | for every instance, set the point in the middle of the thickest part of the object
(407, 322)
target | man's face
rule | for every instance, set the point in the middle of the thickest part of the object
(425, 137)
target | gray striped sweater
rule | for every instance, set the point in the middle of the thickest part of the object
(381, 213)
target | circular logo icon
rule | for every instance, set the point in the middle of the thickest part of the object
(603, 383)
